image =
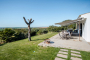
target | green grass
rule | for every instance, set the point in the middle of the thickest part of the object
(84, 55)
(28, 50)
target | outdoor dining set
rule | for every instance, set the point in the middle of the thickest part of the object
(65, 34)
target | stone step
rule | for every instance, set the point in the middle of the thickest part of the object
(59, 58)
(74, 58)
(61, 55)
(63, 52)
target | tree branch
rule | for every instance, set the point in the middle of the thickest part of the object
(32, 21)
(28, 20)
(25, 20)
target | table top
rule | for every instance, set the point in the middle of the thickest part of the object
(66, 32)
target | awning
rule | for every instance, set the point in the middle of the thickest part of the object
(64, 23)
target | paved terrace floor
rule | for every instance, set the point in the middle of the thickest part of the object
(72, 43)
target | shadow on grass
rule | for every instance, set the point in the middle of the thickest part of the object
(39, 39)
(2, 44)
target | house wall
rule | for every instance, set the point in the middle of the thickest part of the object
(86, 27)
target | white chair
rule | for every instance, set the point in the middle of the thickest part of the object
(69, 36)
(62, 35)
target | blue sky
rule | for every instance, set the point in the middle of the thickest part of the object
(43, 12)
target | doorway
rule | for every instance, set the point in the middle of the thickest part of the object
(80, 29)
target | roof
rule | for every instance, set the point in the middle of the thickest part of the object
(71, 21)
(64, 23)
(83, 14)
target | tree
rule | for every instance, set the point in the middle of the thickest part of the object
(54, 28)
(73, 26)
(29, 30)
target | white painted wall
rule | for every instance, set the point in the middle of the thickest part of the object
(86, 27)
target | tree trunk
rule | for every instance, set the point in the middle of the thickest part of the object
(29, 30)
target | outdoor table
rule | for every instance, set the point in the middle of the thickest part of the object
(66, 33)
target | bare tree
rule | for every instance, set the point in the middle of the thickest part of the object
(29, 30)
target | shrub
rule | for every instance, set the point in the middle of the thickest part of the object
(42, 31)
(7, 35)
(33, 33)
(54, 28)
(35, 29)
(39, 32)
(20, 34)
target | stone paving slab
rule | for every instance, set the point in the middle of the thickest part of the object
(63, 52)
(61, 55)
(63, 49)
(75, 52)
(59, 58)
(75, 55)
(74, 58)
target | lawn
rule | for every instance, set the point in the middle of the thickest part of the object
(84, 55)
(29, 50)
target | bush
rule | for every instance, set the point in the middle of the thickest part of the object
(42, 31)
(45, 31)
(35, 29)
(33, 33)
(39, 32)
(54, 28)
(20, 34)
(7, 35)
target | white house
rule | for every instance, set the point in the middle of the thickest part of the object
(83, 25)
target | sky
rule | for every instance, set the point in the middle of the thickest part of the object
(44, 12)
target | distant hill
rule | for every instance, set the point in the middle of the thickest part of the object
(21, 27)
(12, 27)
(43, 27)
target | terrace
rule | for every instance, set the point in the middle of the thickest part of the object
(72, 43)
(75, 42)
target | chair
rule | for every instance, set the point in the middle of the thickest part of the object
(62, 35)
(69, 36)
